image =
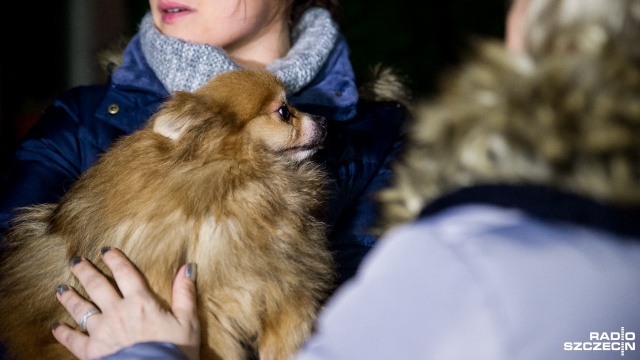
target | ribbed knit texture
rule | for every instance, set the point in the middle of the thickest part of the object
(181, 65)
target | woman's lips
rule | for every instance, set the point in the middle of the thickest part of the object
(172, 11)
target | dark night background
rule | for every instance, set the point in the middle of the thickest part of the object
(52, 45)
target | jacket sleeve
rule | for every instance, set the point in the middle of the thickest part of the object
(50, 158)
(148, 351)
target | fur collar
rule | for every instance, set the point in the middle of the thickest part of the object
(567, 121)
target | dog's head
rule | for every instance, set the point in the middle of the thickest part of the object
(237, 111)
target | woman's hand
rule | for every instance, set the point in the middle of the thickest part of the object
(133, 317)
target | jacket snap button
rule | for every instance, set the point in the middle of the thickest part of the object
(113, 109)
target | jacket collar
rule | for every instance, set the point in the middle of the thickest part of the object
(332, 93)
(546, 203)
(135, 72)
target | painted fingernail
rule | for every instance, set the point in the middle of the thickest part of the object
(55, 325)
(191, 271)
(75, 260)
(61, 289)
(104, 250)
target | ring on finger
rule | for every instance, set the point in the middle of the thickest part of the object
(83, 320)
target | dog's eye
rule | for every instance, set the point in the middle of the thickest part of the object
(284, 112)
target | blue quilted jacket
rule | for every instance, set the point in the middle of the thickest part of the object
(84, 122)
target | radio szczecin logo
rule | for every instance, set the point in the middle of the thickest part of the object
(605, 341)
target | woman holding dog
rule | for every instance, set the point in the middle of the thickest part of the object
(519, 261)
(182, 44)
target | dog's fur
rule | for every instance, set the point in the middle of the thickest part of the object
(219, 177)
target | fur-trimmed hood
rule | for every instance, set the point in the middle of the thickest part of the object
(568, 121)
(385, 83)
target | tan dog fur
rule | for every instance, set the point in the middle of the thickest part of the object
(219, 177)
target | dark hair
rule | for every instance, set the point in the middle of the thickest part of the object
(300, 6)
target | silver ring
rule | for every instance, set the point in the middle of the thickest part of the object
(83, 321)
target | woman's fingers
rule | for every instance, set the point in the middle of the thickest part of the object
(126, 275)
(79, 308)
(73, 340)
(130, 315)
(184, 293)
(183, 307)
(94, 282)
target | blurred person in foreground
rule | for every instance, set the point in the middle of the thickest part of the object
(512, 228)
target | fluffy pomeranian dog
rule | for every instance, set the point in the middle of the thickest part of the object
(221, 177)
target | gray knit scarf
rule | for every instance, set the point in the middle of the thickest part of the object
(187, 66)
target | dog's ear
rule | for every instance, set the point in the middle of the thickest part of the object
(170, 125)
(175, 116)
